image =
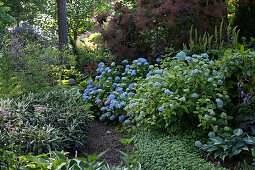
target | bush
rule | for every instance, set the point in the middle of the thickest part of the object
(31, 58)
(148, 28)
(186, 92)
(112, 86)
(42, 122)
(238, 69)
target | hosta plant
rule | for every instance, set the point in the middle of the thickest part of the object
(227, 145)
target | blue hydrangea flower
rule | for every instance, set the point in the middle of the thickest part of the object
(125, 61)
(211, 63)
(115, 85)
(158, 60)
(95, 92)
(104, 109)
(112, 117)
(113, 64)
(194, 95)
(204, 55)
(167, 91)
(189, 59)
(120, 89)
(207, 117)
(112, 96)
(117, 78)
(133, 73)
(101, 65)
(156, 84)
(210, 79)
(171, 106)
(215, 72)
(109, 78)
(219, 102)
(161, 109)
(100, 70)
(142, 60)
(131, 86)
(98, 101)
(127, 122)
(181, 56)
(196, 71)
(90, 82)
(108, 70)
(121, 118)
(89, 86)
(220, 82)
(135, 61)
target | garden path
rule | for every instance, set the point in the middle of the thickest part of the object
(102, 137)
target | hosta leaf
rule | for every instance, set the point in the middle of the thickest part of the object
(240, 144)
(225, 147)
(236, 152)
(213, 148)
(245, 148)
(217, 154)
(238, 132)
(249, 140)
(222, 156)
(217, 140)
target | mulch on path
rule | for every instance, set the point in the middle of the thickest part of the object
(102, 137)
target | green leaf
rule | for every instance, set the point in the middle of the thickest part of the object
(249, 140)
(236, 152)
(238, 132)
(59, 163)
(245, 148)
(101, 154)
(217, 154)
(217, 140)
(213, 148)
(92, 158)
(60, 155)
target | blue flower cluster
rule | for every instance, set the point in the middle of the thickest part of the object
(114, 87)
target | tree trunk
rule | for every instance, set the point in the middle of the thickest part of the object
(62, 25)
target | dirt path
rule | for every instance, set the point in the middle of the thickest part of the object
(103, 137)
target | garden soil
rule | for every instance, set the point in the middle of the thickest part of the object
(103, 137)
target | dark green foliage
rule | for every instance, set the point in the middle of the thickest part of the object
(244, 18)
(228, 145)
(42, 122)
(5, 18)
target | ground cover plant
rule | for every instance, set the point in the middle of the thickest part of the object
(161, 151)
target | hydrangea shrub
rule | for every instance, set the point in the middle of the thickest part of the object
(113, 86)
(186, 91)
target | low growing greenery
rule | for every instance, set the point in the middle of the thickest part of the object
(161, 151)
